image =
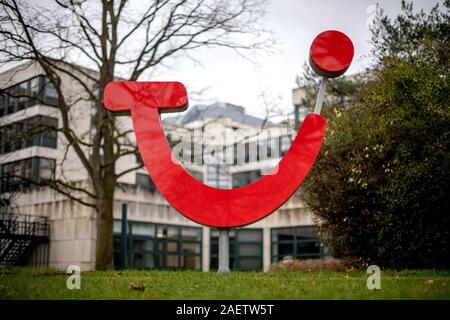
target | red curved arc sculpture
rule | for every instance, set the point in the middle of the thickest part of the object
(197, 201)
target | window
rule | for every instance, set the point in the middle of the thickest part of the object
(296, 242)
(117, 251)
(241, 179)
(269, 149)
(217, 176)
(17, 171)
(12, 100)
(7, 133)
(48, 136)
(23, 94)
(16, 136)
(285, 144)
(28, 129)
(159, 246)
(250, 152)
(2, 105)
(28, 172)
(7, 173)
(46, 168)
(35, 131)
(35, 87)
(14, 175)
(19, 96)
(50, 93)
(245, 249)
(144, 181)
(143, 256)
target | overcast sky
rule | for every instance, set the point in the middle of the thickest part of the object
(296, 23)
(233, 79)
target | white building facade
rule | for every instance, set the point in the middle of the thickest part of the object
(154, 234)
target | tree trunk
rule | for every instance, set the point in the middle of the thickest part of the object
(104, 251)
(105, 202)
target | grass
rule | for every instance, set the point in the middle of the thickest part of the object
(29, 283)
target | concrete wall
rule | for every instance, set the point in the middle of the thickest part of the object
(72, 227)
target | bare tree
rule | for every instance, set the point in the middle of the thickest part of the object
(116, 37)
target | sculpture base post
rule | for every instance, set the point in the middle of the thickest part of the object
(224, 251)
(321, 95)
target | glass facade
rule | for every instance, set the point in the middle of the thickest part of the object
(34, 131)
(246, 251)
(27, 94)
(17, 175)
(296, 242)
(159, 246)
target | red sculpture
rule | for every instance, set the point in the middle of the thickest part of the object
(197, 201)
(331, 54)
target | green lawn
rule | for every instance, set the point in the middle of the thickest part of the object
(27, 283)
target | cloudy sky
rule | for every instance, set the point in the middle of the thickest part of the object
(295, 23)
(230, 78)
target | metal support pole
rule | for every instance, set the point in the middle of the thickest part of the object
(321, 95)
(124, 242)
(224, 251)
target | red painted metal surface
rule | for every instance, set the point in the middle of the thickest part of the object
(197, 201)
(331, 53)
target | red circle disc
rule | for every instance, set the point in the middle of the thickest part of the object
(331, 53)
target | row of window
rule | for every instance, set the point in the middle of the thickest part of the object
(27, 94)
(19, 175)
(245, 249)
(249, 152)
(158, 246)
(144, 181)
(175, 247)
(35, 131)
(296, 242)
(217, 177)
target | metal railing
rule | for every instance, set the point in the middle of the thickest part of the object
(24, 239)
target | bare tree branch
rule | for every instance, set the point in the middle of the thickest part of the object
(86, 43)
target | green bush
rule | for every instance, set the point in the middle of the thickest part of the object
(381, 184)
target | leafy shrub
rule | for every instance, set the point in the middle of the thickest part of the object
(381, 185)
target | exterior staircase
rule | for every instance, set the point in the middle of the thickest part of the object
(24, 239)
